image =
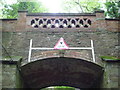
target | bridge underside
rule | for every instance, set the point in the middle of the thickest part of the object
(61, 71)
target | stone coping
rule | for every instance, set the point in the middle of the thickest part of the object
(111, 19)
(22, 11)
(100, 11)
(110, 60)
(8, 19)
(8, 62)
(61, 14)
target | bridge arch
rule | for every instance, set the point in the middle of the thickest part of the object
(61, 71)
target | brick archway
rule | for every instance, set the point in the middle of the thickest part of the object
(85, 55)
(61, 71)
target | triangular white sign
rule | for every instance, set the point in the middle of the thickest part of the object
(61, 44)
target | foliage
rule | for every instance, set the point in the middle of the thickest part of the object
(32, 7)
(69, 6)
(109, 58)
(13, 57)
(112, 9)
(81, 6)
(59, 88)
(10, 11)
(85, 6)
(64, 87)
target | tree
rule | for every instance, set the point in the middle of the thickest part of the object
(81, 6)
(112, 9)
(11, 11)
(32, 7)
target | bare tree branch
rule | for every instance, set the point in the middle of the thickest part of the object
(78, 3)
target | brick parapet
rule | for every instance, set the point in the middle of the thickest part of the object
(97, 20)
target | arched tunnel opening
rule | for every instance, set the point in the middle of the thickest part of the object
(59, 88)
(61, 71)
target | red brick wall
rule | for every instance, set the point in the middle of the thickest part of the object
(23, 23)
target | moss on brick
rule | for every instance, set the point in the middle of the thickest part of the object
(109, 58)
(14, 58)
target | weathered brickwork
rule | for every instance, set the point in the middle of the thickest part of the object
(76, 29)
(9, 78)
(111, 75)
(105, 44)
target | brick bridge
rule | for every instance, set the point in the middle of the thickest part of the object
(74, 68)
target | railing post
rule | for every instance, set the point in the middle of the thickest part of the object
(71, 48)
(30, 49)
(93, 54)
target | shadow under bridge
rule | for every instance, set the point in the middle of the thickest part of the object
(61, 71)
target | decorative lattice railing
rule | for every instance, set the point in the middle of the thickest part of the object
(61, 23)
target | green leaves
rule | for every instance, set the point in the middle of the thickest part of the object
(87, 6)
(90, 6)
(82, 6)
(69, 6)
(32, 7)
(11, 11)
(109, 58)
(60, 88)
(112, 9)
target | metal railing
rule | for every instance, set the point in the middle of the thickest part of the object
(70, 48)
